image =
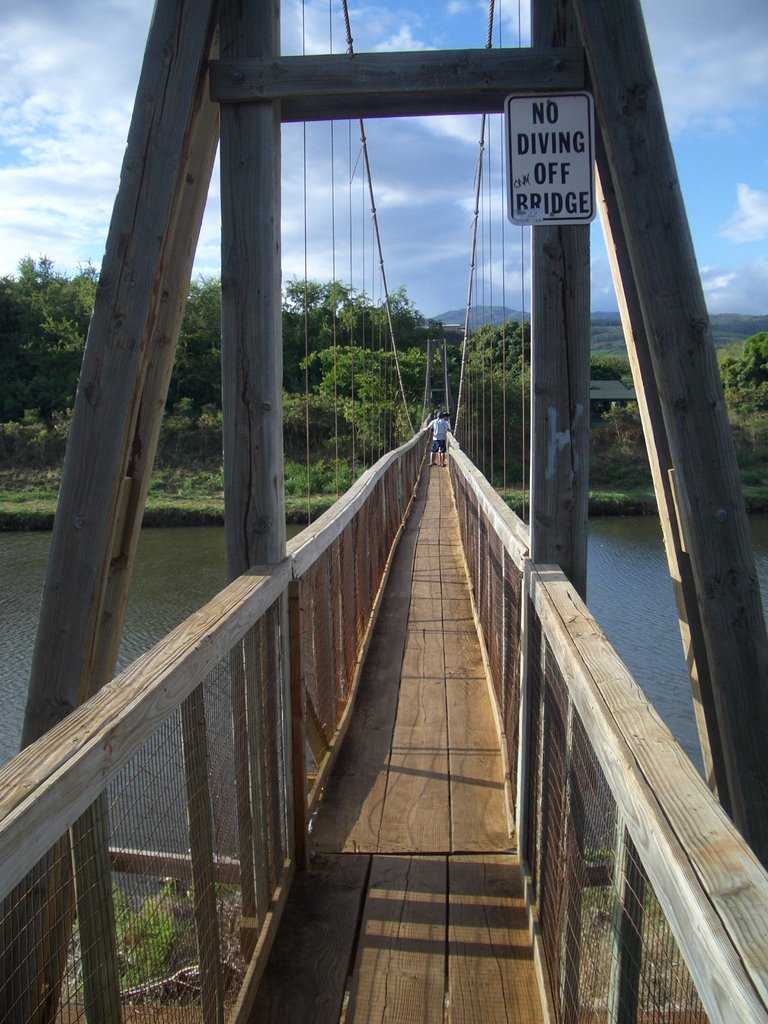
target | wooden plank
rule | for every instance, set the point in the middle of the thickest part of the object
(306, 974)
(399, 972)
(345, 704)
(478, 815)
(638, 159)
(46, 787)
(416, 808)
(423, 654)
(415, 816)
(491, 973)
(321, 86)
(713, 890)
(463, 658)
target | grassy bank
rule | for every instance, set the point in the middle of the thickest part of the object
(28, 501)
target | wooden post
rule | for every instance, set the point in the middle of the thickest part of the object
(560, 351)
(638, 161)
(96, 913)
(139, 261)
(201, 845)
(251, 303)
(660, 461)
(523, 795)
(298, 728)
(252, 369)
(627, 922)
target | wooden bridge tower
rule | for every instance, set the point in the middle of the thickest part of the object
(213, 71)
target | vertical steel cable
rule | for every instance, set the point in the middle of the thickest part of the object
(478, 181)
(364, 143)
(333, 278)
(306, 296)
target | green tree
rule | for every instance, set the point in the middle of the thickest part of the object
(44, 317)
(197, 366)
(605, 367)
(496, 380)
(745, 375)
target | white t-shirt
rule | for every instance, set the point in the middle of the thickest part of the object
(440, 428)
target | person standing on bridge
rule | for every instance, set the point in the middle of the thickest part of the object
(439, 426)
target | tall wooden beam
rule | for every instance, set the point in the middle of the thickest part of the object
(252, 406)
(639, 163)
(132, 335)
(251, 302)
(660, 461)
(560, 351)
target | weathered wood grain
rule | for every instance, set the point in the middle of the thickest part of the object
(306, 974)
(490, 959)
(478, 815)
(399, 972)
(349, 816)
(329, 86)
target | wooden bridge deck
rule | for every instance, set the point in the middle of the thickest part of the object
(411, 909)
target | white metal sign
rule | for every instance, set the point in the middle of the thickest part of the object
(550, 158)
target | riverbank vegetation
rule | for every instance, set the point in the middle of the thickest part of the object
(343, 400)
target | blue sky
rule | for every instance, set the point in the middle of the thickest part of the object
(69, 72)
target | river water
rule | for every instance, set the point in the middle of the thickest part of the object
(178, 570)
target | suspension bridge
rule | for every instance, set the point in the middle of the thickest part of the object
(393, 771)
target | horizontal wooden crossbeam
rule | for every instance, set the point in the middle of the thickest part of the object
(324, 87)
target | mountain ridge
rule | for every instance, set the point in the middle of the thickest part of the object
(607, 332)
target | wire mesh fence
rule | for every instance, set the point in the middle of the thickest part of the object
(337, 595)
(151, 899)
(611, 940)
(168, 838)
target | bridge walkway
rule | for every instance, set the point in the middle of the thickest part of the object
(412, 909)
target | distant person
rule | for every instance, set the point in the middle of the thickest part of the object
(439, 426)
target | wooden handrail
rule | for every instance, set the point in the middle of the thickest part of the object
(45, 788)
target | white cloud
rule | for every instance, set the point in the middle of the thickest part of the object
(402, 39)
(749, 222)
(737, 290)
(710, 66)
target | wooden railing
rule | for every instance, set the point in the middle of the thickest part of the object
(202, 761)
(645, 902)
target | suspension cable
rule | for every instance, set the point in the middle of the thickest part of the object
(478, 184)
(473, 257)
(306, 303)
(374, 215)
